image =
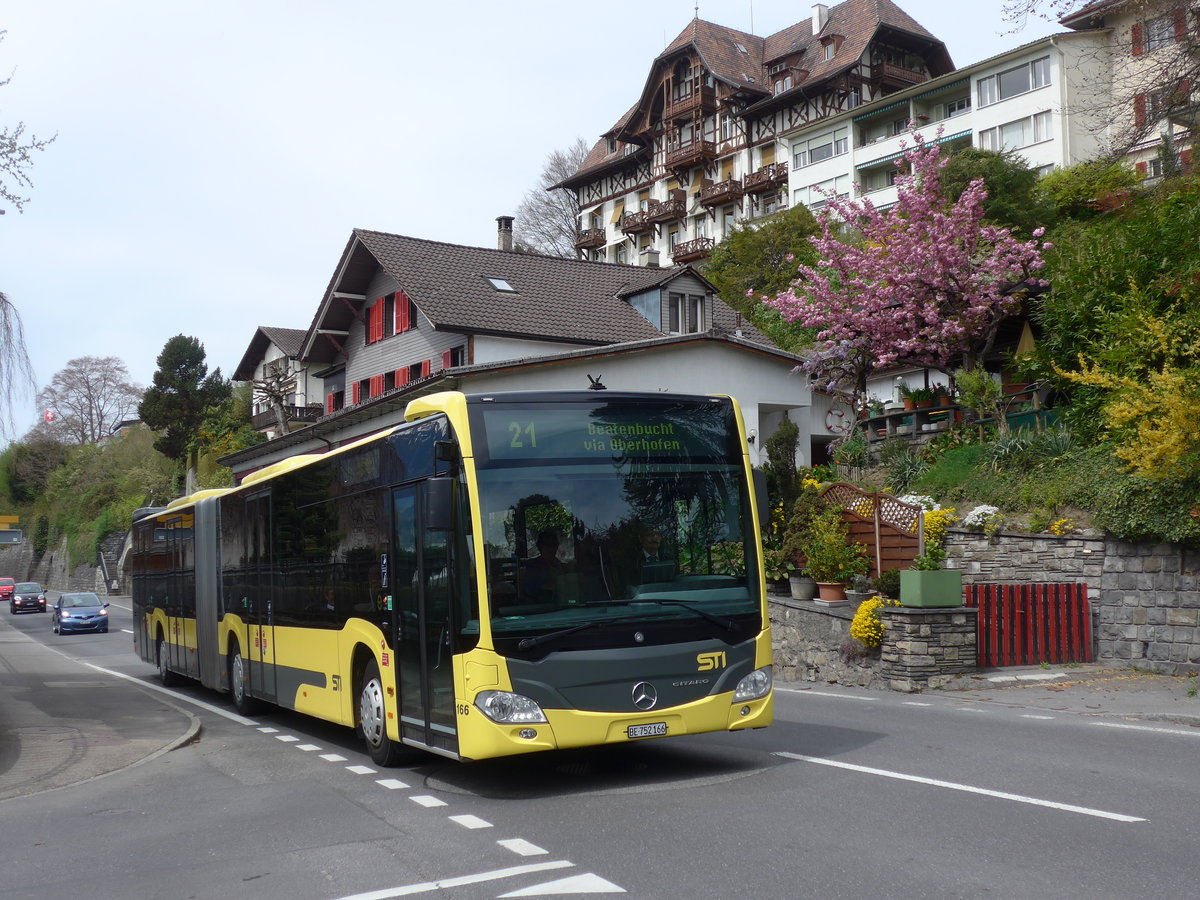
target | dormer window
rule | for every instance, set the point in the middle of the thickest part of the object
(685, 313)
(830, 51)
(612, 145)
(500, 284)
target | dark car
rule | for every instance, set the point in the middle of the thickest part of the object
(82, 611)
(6, 588)
(28, 596)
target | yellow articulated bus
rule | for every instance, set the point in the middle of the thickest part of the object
(501, 574)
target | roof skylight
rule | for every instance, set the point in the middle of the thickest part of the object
(500, 284)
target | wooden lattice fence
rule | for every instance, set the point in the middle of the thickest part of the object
(890, 529)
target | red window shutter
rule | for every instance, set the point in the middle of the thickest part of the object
(425, 367)
(1139, 111)
(402, 323)
(402, 377)
(1141, 169)
(355, 392)
(447, 357)
(329, 401)
(1185, 161)
(1180, 24)
(377, 319)
(1138, 46)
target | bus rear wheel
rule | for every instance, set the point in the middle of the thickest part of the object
(372, 719)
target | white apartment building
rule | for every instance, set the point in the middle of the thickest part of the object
(1020, 101)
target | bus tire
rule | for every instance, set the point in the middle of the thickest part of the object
(242, 702)
(165, 675)
(372, 718)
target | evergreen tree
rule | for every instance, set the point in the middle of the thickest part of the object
(180, 397)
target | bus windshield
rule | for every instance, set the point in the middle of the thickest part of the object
(618, 523)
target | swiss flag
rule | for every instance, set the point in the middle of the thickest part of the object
(50, 416)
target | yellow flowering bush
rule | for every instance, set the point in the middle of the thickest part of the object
(867, 625)
(1059, 527)
(937, 521)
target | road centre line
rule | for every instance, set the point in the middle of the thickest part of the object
(966, 788)
(441, 884)
(1195, 732)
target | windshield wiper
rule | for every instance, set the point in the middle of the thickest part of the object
(727, 624)
(531, 642)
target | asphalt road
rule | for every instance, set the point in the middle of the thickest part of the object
(850, 794)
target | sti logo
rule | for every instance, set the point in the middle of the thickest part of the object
(709, 661)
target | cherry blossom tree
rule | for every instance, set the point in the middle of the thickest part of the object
(922, 283)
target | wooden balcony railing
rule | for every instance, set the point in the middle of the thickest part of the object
(768, 178)
(666, 210)
(589, 238)
(635, 222)
(721, 192)
(703, 100)
(691, 154)
(697, 248)
(268, 419)
(890, 72)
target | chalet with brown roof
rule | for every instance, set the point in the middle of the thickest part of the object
(705, 145)
(404, 316)
(284, 393)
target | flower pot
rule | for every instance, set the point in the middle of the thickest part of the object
(802, 587)
(831, 593)
(924, 589)
(854, 598)
(909, 403)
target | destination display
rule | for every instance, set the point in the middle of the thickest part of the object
(611, 431)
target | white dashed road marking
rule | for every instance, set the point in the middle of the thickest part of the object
(471, 822)
(522, 847)
(391, 784)
(441, 884)
(427, 801)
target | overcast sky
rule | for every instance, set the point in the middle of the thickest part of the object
(213, 157)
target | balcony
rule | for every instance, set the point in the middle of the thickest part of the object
(590, 238)
(703, 101)
(769, 178)
(267, 420)
(687, 251)
(721, 192)
(636, 222)
(666, 210)
(898, 76)
(694, 153)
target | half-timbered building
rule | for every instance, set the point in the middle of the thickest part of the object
(705, 144)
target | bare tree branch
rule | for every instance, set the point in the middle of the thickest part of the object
(89, 398)
(547, 220)
(16, 157)
(16, 374)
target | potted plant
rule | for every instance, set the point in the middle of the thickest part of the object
(927, 584)
(807, 506)
(923, 397)
(858, 590)
(830, 557)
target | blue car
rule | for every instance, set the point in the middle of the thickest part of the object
(82, 611)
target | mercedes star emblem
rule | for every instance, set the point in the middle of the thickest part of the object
(644, 695)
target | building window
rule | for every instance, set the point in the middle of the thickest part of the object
(830, 50)
(1160, 32)
(783, 84)
(1013, 82)
(375, 321)
(817, 196)
(700, 226)
(500, 284)
(958, 107)
(728, 220)
(685, 313)
(622, 254)
(820, 148)
(1015, 135)
(405, 313)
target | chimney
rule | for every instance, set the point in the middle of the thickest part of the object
(650, 258)
(819, 18)
(504, 232)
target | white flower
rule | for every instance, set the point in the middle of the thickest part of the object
(926, 503)
(979, 516)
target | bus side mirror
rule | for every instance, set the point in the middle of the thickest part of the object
(439, 504)
(760, 497)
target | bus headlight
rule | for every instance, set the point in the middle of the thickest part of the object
(756, 684)
(506, 708)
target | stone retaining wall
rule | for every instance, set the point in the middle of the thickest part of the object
(806, 639)
(1145, 598)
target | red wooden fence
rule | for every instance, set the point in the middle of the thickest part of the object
(1027, 624)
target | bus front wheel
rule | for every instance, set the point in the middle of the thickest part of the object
(165, 675)
(372, 718)
(242, 702)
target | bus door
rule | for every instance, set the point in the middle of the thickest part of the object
(260, 597)
(421, 587)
